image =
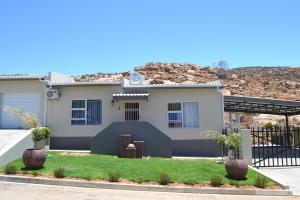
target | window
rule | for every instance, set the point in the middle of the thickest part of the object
(132, 111)
(183, 115)
(86, 112)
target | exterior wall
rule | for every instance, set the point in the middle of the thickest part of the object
(59, 111)
(153, 111)
(26, 86)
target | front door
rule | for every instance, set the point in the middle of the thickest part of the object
(132, 111)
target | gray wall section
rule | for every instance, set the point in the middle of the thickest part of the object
(203, 147)
(70, 143)
(156, 142)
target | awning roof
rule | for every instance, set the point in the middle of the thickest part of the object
(261, 105)
(130, 96)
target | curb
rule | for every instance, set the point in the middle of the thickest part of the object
(152, 188)
(280, 183)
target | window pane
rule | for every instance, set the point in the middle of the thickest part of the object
(175, 124)
(93, 112)
(78, 103)
(190, 114)
(174, 116)
(78, 114)
(174, 106)
(132, 111)
(77, 122)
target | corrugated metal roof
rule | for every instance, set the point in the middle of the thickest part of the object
(21, 76)
(131, 94)
(86, 83)
(178, 85)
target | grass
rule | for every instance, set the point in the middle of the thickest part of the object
(94, 166)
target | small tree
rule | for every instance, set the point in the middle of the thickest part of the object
(231, 141)
(28, 119)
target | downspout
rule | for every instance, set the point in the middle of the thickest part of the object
(222, 104)
(45, 102)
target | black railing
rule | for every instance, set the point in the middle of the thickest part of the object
(276, 147)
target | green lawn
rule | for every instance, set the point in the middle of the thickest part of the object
(93, 166)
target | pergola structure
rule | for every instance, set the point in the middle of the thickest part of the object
(262, 106)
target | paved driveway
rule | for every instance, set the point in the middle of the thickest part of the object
(288, 175)
(9, 137)
(20, 191)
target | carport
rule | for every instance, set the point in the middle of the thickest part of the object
(271, 147)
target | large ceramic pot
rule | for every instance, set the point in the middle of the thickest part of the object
(34, 158)
(236, 169)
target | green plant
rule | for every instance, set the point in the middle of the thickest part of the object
(260, 181)
(269, 125)
(39, 134)
(190, 182)
(113, 176)
(59, 172)
(10, 169)
(28, 119)
(216, 181)
(140, 180)
(235, 183)
(164, 178)
(34, 173)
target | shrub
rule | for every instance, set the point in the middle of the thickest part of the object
(260, 181)
(140, 180)
(216, 181)
(10, 169)
(113, 176)
(34, 173)
(59, 172)
(269, 125)
(235, 183)
(39, 134)
(164, 178)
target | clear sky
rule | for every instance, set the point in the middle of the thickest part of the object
(77, 37)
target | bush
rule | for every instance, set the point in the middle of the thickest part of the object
(140, 180)
(10, 169)
(216, 181)
(113, 176)
(260, 181)
(40, 133)
(59, 172)
(34, 173)
(269, 125)
(164, 178)
(235, 183)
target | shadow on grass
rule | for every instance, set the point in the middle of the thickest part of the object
(235, 179)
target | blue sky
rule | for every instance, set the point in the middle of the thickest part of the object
(77, 37)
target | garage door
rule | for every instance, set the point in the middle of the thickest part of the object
(24, 101)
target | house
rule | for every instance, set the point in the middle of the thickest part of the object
(170, 118)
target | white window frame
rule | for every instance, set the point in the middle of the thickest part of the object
(85, 113)
(181, 111)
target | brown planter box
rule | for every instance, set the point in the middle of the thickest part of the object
(125, 140)
(139, 145)
(130, 152)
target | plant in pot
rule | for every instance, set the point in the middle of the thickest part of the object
(235, 167)
(33, 158)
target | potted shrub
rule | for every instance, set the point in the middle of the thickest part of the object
(35, 157)
(236, 168)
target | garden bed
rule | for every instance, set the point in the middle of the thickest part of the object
(196, 172)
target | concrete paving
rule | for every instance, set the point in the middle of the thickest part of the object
(21, 191)
(287, 175)
(9, 137)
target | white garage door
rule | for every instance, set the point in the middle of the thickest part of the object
(24, 101)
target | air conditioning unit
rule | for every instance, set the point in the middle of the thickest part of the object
(52, 94)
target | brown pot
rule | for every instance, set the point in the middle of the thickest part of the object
(34, 158)
(236, 169)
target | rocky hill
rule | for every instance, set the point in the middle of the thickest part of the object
(269, 82)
